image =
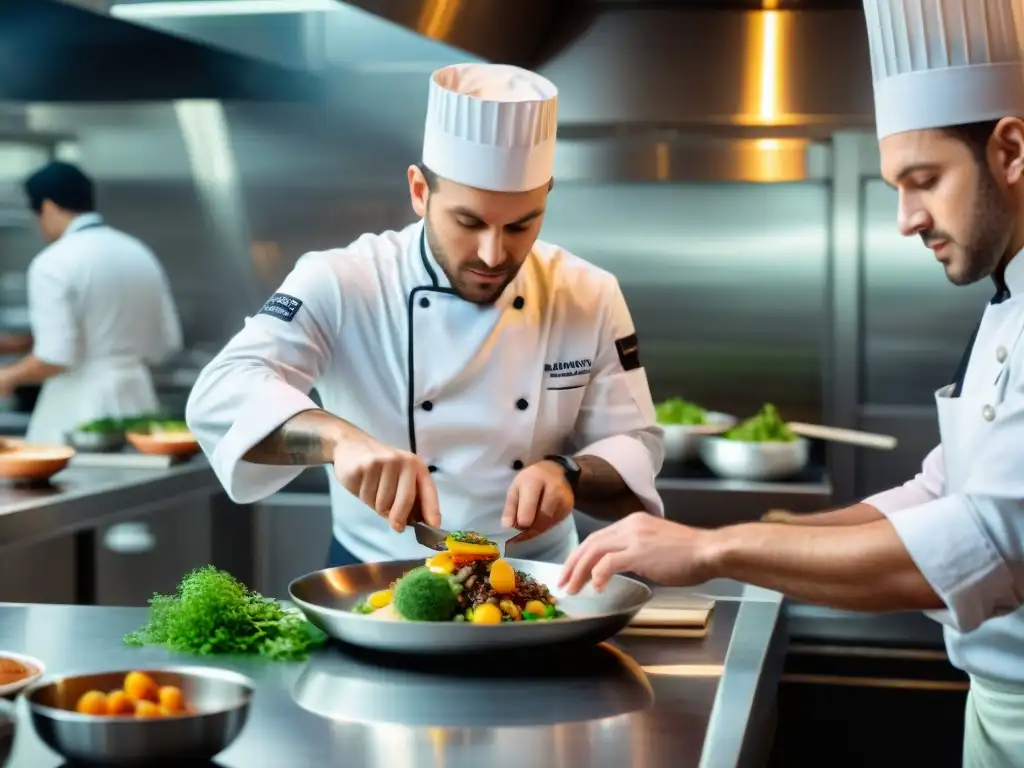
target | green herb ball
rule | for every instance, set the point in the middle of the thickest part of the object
(422, 595)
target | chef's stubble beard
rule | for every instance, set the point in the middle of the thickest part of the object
(441, 257)
(991, 229)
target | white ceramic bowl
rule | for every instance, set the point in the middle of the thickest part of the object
(680, 440)
(741, 460)
(39, 668)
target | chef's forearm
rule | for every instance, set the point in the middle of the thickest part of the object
(601, 492)
(29, 370)
(15, 343)
(861, 568)
(857, 514)
(307, 439)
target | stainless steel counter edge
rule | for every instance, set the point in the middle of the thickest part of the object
(83, 498)
(739, 730)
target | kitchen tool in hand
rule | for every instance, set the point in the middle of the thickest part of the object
(429, 536)
(848, 436)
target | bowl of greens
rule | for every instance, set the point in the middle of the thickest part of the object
(762, 447)
(683, 423)
(98, 436)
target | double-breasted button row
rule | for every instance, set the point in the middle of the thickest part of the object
(518, 303)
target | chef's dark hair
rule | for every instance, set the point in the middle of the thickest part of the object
(975, 136)
(431, 178)
(62, 184)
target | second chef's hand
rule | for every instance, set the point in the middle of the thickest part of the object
(539, 498)
(390, 481)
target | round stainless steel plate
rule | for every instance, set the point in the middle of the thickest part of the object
(499, 691)
(327, 598)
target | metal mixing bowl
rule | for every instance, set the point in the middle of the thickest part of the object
(680, 441)
(742, 460)
(220, 697)
(96, 442)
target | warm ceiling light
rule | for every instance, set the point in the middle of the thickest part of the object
(218, 8)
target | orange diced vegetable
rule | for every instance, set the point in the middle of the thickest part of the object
(503, 577)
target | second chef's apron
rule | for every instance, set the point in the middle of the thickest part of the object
(113, 387)
(994, 715)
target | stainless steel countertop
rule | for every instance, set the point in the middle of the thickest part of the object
(84, 497)
(667, 702)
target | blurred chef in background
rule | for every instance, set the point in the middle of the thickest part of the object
(100, 312)
(470, 374)
(949, 101)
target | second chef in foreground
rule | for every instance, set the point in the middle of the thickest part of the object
(469, 373)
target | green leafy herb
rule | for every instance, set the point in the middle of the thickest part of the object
(675, 410)
(213, 613)
(469, 537)
(766, 426)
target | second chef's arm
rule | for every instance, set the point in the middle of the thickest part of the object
(250, 409)
(620, 450)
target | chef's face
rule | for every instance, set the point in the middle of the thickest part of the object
(964, 206)
(479, 238)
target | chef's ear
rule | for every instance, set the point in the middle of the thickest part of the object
(1009, 139)
(419, 190)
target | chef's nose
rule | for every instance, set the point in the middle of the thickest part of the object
(492, 249)
(912, 219)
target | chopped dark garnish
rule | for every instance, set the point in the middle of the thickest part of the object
(469, 537)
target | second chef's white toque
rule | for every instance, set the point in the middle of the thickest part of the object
(939, 63)
(491, 126)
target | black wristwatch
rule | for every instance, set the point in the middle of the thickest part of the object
(572, 469)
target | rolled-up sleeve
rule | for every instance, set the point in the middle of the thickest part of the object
(263, 377)
(970, 545)
(616, 420)
(926, 486)
(55, 332)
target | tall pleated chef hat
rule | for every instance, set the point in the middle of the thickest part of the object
(939, 63)
(491, 126)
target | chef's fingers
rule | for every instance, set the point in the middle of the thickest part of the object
(529, 503)
(569, 566)
(588, 559)
(553, 502)
(368, 486)
(609, 565)
(404, 500)
(508, 515)
(426, 495)
(387, 487)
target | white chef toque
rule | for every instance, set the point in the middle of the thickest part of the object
(939, 63)
(491, 126)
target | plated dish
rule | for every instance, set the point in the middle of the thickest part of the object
(468, 582)
(18, 671)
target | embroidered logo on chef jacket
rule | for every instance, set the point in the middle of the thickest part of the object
(563, 368)
(628, 348)
(282, 306)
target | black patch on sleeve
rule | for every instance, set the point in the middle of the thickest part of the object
(282, 306)
(628, 348)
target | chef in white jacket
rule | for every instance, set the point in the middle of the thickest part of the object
(949, 100)
(470, 374)
(100, 310)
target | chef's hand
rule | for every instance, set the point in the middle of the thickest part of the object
(540, 497)
(652, 547)
(394, 483)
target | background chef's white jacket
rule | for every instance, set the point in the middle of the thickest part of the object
(476, 391)
(100, 293)
(100, 306)
(970, 545)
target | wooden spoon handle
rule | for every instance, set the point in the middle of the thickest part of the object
(849, 436)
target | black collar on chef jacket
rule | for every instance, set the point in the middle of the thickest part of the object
(1001, 295)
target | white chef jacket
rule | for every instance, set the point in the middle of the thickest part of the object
(100, 306)
(962, 517)
(477, 392)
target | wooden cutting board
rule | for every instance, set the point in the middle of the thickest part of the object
(689, 619)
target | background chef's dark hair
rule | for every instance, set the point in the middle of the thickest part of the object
(64, 184)
(975, 136)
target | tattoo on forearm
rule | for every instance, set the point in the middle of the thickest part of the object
(295, 443)
(602, 493)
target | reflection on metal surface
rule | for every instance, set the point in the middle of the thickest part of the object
(685, 670)
(876, 682)
(191, 8)
(589, 685)
(763, 76)
(867, 652)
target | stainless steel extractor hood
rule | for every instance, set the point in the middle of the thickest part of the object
(70, 52)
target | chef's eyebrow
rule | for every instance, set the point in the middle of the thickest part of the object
(469, 213)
